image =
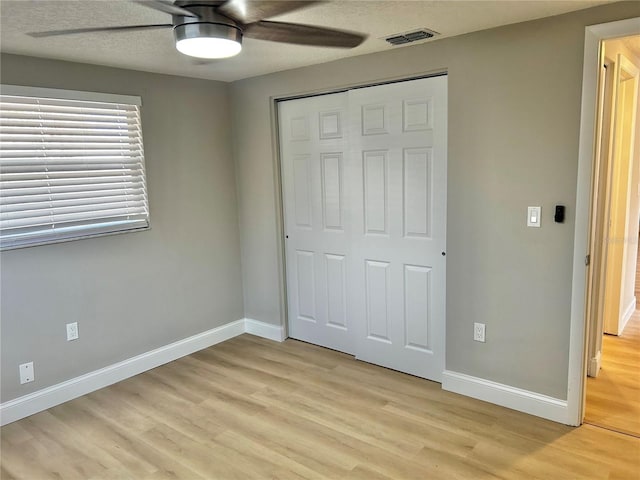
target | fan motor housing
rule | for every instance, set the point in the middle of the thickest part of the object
(205, 14)
(205, 29)
(208, 23)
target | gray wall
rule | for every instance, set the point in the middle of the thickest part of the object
(133, 292)
(514, 115)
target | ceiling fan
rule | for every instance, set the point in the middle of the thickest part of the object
(214, 29)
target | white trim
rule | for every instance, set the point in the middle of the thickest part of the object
(264, 330)
(594, 365)
(68, 390)
(626, 315)
(22, 91)
(577, 347)
(506, 396)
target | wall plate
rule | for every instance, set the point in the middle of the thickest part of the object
(533, 216)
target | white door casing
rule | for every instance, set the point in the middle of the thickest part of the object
(364, 194)
(594, 35)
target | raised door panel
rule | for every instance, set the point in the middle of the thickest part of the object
(377, 298)
(299, 127)
(374, 169)
(417, 301)
(336, 291)
(332, 197)
(330, 125)
(305, 286)
(417, 114)
(418, 190)
(302, 188)
(374, 119)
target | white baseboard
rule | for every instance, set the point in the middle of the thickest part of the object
(265, 330)
(35, 402)
(506, 396)
(594, 365)
(631, 308)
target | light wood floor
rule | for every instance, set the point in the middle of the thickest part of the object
(613, 397)
(251, 408)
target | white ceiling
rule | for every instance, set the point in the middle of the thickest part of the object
(154, 50)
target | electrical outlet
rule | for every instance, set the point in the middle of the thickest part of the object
(26, 372)
(478, 332)
(72, 331)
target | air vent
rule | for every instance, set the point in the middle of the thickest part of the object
(402, 38)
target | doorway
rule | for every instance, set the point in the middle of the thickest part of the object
(364, 197)
(613, 358)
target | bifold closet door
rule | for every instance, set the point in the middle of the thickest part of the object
(314, 149)
(364, 185)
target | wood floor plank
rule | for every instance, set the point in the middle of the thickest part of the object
(613, 397)
(240, 443)
(90, 430)
(254, 409)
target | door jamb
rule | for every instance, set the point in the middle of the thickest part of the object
(599, 215)
(576, 384)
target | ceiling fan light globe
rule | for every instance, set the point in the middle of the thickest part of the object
(208, 47)
(208, 40)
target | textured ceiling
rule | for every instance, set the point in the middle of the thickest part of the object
(154, 50)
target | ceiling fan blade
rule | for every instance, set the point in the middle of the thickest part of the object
(128, 28)
(166, 7)
(250, 11)
(303, 34)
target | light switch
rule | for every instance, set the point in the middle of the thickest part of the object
(533, 217)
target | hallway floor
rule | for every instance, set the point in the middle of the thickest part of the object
(613, 398)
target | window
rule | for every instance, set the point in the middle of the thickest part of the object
(71, 166)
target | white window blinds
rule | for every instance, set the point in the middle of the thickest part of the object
(71, 166)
